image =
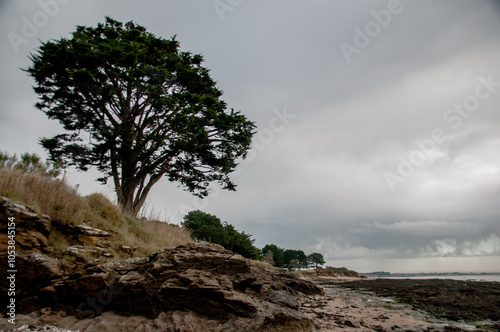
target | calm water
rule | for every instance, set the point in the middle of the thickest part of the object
(455, 277)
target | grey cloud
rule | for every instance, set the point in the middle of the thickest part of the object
(319, 184)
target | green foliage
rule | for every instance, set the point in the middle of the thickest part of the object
(293, 265)
(207, 227)
(297, 256)
(316, 258)
(7, 161)
(148, 111)
(30, 162)
(278, 254)
(290, 258)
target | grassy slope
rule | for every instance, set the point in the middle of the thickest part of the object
(57, 199)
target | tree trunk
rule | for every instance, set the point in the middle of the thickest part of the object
(132, 197)
(126, 200)
(143, 193)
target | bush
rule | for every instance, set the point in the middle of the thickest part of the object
(277, 254)
(207, 227)
(30, 162)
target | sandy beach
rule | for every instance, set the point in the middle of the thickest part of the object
(346, 309)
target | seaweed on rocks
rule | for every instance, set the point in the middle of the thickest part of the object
(452, 299)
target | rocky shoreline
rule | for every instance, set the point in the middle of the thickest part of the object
(195, 287)
(203, 287)
(346, 304)
(351, 304)
(451, 299)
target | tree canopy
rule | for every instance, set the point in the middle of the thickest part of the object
(207, 227)
(137, 108)
(316, 258)
(291, 258)
(278, 256)
(294, 259)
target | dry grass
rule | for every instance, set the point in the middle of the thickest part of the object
(60, 201)
(266, 266)
(58, 240)
(163, 232)
(44, 194)
(150, 235)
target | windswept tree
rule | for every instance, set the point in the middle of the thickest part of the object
(137, 108)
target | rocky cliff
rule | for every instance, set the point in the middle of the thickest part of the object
(194, 287)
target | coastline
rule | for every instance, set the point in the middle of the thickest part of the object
(475, 278)
(360, 304)
(489, 277)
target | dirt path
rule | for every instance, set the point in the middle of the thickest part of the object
(342, 309)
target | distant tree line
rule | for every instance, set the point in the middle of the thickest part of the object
(290, 258)
(207, 227)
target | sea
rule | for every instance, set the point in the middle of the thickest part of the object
(464, 277)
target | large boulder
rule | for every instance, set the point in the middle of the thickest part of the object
(195, 287)
(194, 280)
(32, 229)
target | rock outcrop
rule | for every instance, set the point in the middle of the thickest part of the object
(32, 229)
(194, 287)
(331, 272)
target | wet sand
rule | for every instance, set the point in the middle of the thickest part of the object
(352, 304)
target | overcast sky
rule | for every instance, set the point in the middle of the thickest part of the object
(378, 139)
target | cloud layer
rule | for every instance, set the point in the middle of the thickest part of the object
(384, 156)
